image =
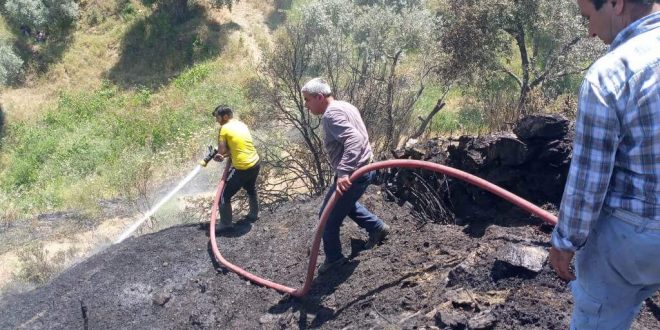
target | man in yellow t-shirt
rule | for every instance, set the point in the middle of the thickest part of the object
(235, 141)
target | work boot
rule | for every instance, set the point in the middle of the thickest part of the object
(377, 237)
(225, 222)
(253, 214)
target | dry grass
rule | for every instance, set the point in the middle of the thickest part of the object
(96, 49)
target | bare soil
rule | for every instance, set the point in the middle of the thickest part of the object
(423, 276)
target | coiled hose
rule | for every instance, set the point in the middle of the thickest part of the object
(396, 163)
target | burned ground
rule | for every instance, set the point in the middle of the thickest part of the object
(430, 275)
(456, 259)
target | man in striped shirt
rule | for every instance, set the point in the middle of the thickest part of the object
(610, 211)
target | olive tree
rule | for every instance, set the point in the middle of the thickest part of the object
(378, 55)
(42, 14)
(10, 64)
(532, 42)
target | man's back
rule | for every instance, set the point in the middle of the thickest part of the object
(346, 138)
(239, 141)
(626, 83)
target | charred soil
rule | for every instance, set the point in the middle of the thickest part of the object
(424, 276)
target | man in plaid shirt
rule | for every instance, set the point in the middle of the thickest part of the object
(610, 211)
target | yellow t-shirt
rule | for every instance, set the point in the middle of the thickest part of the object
(237, 137)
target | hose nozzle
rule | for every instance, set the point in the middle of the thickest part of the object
(211, 152)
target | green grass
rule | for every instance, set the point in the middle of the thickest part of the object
(100, 139)
(457, 117)
(89, 137)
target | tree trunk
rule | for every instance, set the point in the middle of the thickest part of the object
(391, 136)
(524, 57)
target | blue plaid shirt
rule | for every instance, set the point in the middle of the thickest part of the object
(616, 152)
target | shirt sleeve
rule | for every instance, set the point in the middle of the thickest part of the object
(343, 131)
(222, 135)
(597, 132)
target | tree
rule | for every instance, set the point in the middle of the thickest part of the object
(281, 83)
(378, 55)
(42, 14)
(532, 42)
(10, 64)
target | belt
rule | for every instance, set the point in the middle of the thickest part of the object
(634, 219)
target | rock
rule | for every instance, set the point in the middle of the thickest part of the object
(529, 257)
(458, 274)
(267, 319)
(533, 164)
(161, 298)
(546, 126)
(519, 261)
(483, 320)
(461, 298)
(508, 150)
(447, 317)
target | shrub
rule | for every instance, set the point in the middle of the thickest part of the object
(10, 64)
(36, 267)
(42, 13)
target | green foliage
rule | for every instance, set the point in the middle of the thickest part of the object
(87, 136)
(127, 11)
(192, 76)
(516, 46)
(42, 13)
(10, 64)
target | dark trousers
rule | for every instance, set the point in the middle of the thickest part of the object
(347, 205)
(237, 179)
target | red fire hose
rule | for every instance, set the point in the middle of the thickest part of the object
(400, 163)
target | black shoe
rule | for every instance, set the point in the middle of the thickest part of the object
(223, 228)
(326, 266)
(250, 218)
(377, 237)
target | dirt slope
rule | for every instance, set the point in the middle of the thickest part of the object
(422, 277)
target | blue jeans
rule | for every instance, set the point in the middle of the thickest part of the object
(618, 268)
(347, 204)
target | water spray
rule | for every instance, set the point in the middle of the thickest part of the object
(202, 163)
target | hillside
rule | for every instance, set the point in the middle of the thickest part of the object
(430, 276)
(107, 119)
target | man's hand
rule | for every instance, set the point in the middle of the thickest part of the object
(343, 184)
(218, 157)
(561, 261)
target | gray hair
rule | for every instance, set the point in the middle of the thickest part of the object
(317, 86)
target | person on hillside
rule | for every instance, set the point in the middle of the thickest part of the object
(347, 144)
(235, 141)
(609, 216)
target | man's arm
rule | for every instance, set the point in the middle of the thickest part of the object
(342, 130)
(596, 141)
(223, 150)
(597, 134)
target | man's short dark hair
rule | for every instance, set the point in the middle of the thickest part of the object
(222, 110)
(599, 3)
